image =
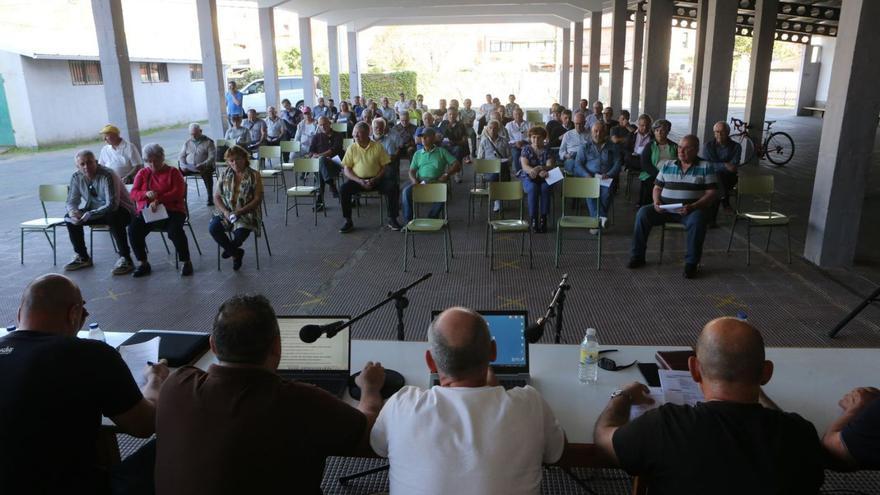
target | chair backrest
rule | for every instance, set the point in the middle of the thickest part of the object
(289, 146)
(534, 117)
(758, 187)
(339, 127)
(220, 142)
(505, 191)
(347, 142)
(580, 187)
(50, 193)
(429, 193)
(269, 152)
(487, 166)
(306, 165)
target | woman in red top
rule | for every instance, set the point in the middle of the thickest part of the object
(158, 186)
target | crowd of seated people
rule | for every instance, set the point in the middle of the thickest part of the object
(238, 427)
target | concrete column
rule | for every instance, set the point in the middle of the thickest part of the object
(595, 53)
(636, 83)
(212, 66)
(618, 53)
(564, 73)
(578, 65)
(354, 74)
(308, 63)
(809, 82)
(759, 68)
(717, 66)
(655, 75)
(848, 134)
(333, 47)
(699, 56)
(266, 18)
(116, 69)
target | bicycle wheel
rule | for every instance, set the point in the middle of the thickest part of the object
(748, 147)
(779, 148)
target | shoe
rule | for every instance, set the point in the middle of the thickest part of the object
(78, 262)
(690, 270)
(236, 260)
(142, 270)
(393, 225)
(123, 266)
(334, 191)
(635, 263)
(594, 231)
(458, 178)
(496, 207)
(318, 207)
(542, 224)
(210, 204)
(346, 227)
(187, 269)
(226, 255)
(603, 221)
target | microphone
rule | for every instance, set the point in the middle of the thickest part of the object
(535, 331)
(310, 333)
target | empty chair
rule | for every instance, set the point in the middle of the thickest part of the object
(579, 188)
(49, 193)
(432, 194)
(758, 188)
(506, 191)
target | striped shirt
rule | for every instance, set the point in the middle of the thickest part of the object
(684, 187)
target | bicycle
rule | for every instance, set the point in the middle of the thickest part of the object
(778, 147)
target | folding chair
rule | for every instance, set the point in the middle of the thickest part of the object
(303, 166)
(274, 174)
(256, 245)
(428, 193)
(760, 188)
(339, 127)
(481, 167)
(506, 191)
(579, 188)
(49, 193)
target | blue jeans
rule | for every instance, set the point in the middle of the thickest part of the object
(218, 232)
(537, 194)
(436, 208)
(604, 202)
(648, 217)
(515, 153)
(569, 166)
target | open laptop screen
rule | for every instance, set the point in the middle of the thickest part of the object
(508, 329)
(325, 354)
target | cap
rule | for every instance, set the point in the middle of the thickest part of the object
(306, 110)
(109, 129)
(420, 131)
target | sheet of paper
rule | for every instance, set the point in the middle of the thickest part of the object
(336, 160)
(606, 182)
(151, 216)
(554, 176)
(136, 357)
(680, 388)
(672, 207)
(637, 410)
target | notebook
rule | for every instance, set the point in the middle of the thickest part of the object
(179, 348)
(325, 363)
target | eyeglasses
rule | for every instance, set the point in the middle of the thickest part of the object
(609, 364)
(92, 191)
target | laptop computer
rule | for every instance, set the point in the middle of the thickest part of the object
(325, 363)
(508, 329)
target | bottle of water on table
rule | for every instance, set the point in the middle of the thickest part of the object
(95, 332)
(588, 367)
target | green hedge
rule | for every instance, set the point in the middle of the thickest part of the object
(376, 85)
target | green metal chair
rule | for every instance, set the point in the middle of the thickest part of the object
(579, 188)
(256, 245)
(49, 193)
(428, 193)
(271, 153)
(346, 143)
(759, 188)
(534, 117)
(671, 226)
(339, 127)
(482, 166)
(303, 166)
(288, 147)
(506, 191)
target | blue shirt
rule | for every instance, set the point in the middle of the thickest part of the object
(718, 155)
(231, 107)
(605, 161)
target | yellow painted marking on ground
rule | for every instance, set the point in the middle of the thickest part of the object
(729, 300)
(507, 302)
(112, 295)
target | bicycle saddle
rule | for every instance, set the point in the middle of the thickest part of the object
(769, 122)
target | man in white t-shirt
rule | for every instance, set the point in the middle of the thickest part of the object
(467, 435)
(119, 155)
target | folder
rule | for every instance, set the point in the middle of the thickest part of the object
(179, 348)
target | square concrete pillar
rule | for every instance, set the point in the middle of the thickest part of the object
(333, 48)
(699, 56)
(564, 73)
(266, 19)
(717, 66)
(354, 74)
(578, 65)
(595, 53)
(636, 82)
(655, 75)
(759, 68)
(618, 53)
(809, 81)
(848, 133)
(212, 66)
(308, 63)
(116, 69)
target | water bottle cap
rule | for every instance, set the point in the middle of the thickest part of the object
(10, 328)
(93, 325)
(591, 331)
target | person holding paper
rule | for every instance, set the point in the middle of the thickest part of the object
(326, 145)
(54, 390)
(494, 147)
(728, 444)
(430, 164)
(237, 200)
(599, 158)
(536, 161)
(160, 194)
(690, 182)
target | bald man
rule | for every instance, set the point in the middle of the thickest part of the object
(467, 435)
(54, 390)
(727, 444)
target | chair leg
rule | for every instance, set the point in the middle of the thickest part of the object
(92, 243)
(257, 249)
(732, 229)
(193, 234)
(449, 236)
(599, 252)
(558, 244)
(662, 241)
(405, 247)
(485, 244)
(162, 235)
(22, 247)
(446, 249)
(748, 243)
(218, 257)
(491, 250)
(266, 237)
(769, 233)
(54, 248)
(788, 235)
(530, 250)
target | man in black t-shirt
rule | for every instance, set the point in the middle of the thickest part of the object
(54, 390)
(853, 440)
(728, 444)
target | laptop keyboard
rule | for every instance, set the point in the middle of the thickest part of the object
(507, 383)
(334, 386)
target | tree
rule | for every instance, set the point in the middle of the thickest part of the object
(290, 61)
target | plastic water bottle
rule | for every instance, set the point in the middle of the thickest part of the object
(588, 367)
(742, 315)
(10, 328)
(95, 332)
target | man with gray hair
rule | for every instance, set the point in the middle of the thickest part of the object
(467, 435)
(724, 154)
(729, 443)
(197, 158)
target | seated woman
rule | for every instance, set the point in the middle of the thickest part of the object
(237, 198)
(536, 161)
(494, 147)
(159, 186)
(345, 116)
(661, 148)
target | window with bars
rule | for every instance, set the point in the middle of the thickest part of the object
(154, 72)
(85, 72)
(195, 72)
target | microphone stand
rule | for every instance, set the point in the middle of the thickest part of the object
(556, 308)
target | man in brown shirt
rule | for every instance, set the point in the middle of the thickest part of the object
(240, 428)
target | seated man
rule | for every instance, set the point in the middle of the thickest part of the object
(853, 440)
(237, 134)
(401, 105)
(291, 117)
(455, 136)
(240, 428)
(321, 109)
(517, 135)
(428, 165)
(467, 435)
(305, 131)
(724, 154)
(197, 158)
(256, 128)
(275, 131)
(558, 126)
(394, 146)
(603, 159)
(467, 115)
(596, 116)
(54, 390)
(404, 132)
(428, 122)
(688, 181)
(728, 444)
(97, 197)
(510, 107)
(365, 162)
(387, 112)
(326, 144)
(120, 155)
(573, 140)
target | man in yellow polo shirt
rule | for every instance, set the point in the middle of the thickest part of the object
(364, 164)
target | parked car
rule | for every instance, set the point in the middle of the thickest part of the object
(290, 87)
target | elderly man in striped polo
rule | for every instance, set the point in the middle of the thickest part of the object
(690, 182)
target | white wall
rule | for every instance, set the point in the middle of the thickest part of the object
(64, 112)
(17, 98)
(826, 59)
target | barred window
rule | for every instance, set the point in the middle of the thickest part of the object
(83, 72)
(195, 72)
(154, 72)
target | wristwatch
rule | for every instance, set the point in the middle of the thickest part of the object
(621, 392)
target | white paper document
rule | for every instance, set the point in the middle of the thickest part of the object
(554, 176)
(606, 182)
(151, 216)
(672, 207)
(680, 388)
(136, 357)
(637, 410)
(336, 160)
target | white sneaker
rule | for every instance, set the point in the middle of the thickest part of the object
(496, 207)
(603, 221)
(458, 178)
(78, 262)
(594, 231)
(123, 266)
